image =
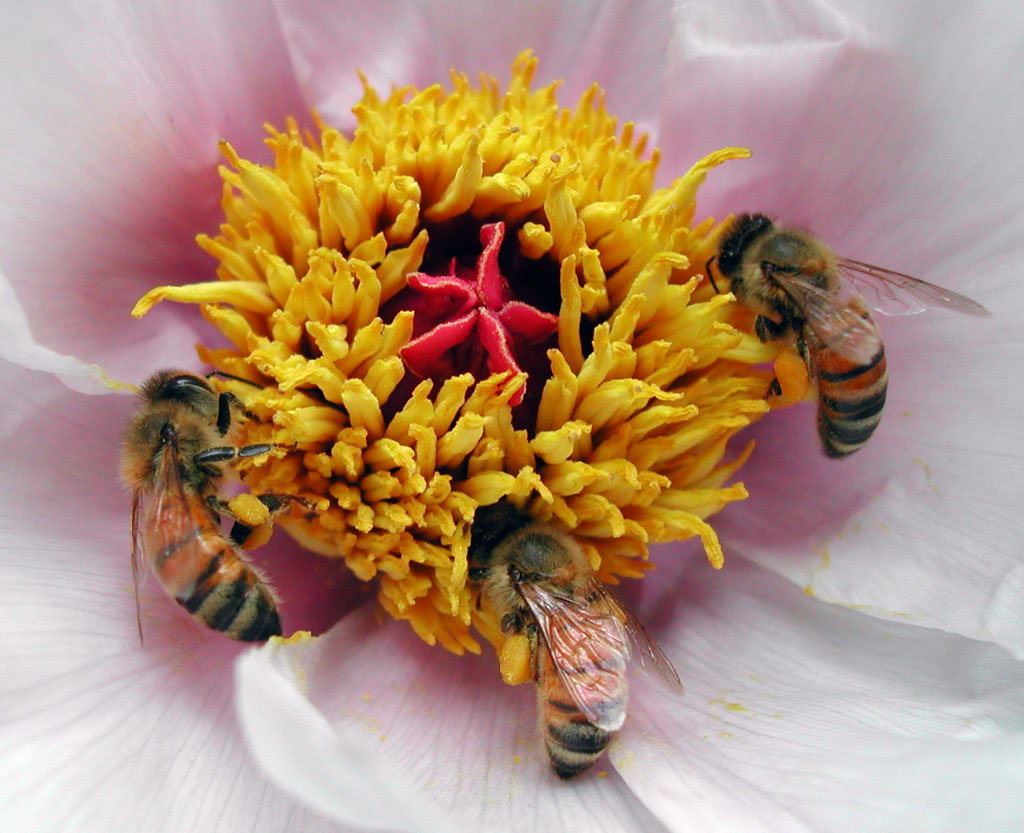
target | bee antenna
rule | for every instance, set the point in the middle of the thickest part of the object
(224, 375)
(707, 271)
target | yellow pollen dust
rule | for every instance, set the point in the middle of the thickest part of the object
(651, 377)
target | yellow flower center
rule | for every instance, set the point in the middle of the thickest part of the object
(646, 377)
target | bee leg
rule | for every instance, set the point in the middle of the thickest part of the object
(795, 388)
(227, 403)
(278, 503)
(240, 534)
(223, 413)
(531, 636)
(707, 271)
(511, 622)
(223, 453)
(241, 531)
(217, 454)
(768, 330)
(262, 448)
(227, 400)
(804, 351)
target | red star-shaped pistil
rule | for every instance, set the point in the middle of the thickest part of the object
(470, 321)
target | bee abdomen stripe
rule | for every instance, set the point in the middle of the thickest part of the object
(208, 571)
(264, 621)
(852, 373)
(859, 407)
(562, 706)
(202, 584)
(171, 549)
(233, 594)
(195, 601)
(581, 738)
(569, 765)
(852, 433)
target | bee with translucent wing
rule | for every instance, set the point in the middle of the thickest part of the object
(172, 456)
(799, 287)
(539, 581)
(894, 293)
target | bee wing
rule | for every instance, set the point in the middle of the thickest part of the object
(167, 523)
(894, 293)
(137, 499)
(589, 647)
(650, 656)
(841, 323)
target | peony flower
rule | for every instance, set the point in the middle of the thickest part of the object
(855, 663)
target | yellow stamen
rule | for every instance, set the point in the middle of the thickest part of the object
(652, 375)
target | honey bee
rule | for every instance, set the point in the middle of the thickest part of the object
(538, 579)
(172, 456)
(797, 286)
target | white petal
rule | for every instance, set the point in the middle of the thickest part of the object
(802, 716)
(864, 130)
(112, 115)
(19, 347)
(100, 733)
(621, 45)
(797, 716)
(860, 125)
(923, 524)
(367, 722)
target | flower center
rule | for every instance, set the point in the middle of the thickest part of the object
(478, 296)
(468, 320)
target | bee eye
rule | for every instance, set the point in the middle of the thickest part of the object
(180, 382)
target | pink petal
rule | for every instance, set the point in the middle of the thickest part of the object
(797, 716)
(101, 733)
(923, 524)
(20, 347)
(425, 731)
(109, 165)
(818, 718)
(620, 44)
(860, 126)
(863, 130)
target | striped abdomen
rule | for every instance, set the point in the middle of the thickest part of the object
(203, 572)
(850, 399)
(573, 743)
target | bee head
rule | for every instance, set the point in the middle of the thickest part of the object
(535, 554)
(744, 230)
(491, 526)
(180, 386)
(516, 575)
